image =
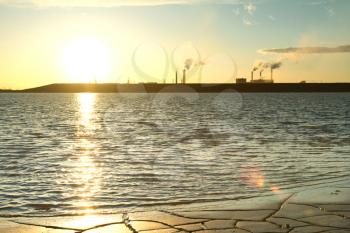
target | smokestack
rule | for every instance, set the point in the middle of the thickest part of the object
(255, 68)
(184, 77)
(261, 73)
(176, 77)
(271, 74)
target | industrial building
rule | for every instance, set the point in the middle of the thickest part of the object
(261, 79)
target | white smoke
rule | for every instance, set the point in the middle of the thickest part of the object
(188, 63)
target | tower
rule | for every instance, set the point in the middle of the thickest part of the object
(184, 77)
(176, 77)
(271, 74)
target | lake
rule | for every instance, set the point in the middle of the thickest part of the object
(63, 154)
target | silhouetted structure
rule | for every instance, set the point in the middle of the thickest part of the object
(241, 80)
(261, 80)
(155, 88)
(184, 77)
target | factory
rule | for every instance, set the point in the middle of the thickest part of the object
(183, 80)
(261, 67)
(261, 79)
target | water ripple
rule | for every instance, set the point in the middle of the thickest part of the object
(84, 153)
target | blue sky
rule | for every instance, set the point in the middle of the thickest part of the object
(32, 32)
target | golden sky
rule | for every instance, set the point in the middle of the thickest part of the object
(43, 42)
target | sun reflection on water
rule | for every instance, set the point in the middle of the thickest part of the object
(86, 106)
(85, 174)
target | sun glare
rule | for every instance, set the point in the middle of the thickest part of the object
(86, 60)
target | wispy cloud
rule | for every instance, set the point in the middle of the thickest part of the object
(247, 22)
(272, 18)
(88, 3)
(307, 50)
(112, 3)
(250, 8)
(325, 5)
(246, 12)
(330, 11)
(315, 3)
(236, 11)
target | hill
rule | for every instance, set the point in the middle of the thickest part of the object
(155, 88)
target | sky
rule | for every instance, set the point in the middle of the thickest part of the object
(58, 41)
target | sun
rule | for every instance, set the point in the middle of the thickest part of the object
(86, 60)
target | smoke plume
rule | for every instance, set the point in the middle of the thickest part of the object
(275, 65)
(257, 65)
(188, 63)
(200, 63)
(262, 65)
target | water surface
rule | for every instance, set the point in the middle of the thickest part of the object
(99, 153)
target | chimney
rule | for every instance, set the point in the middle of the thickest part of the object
(252, 76)
(184, 77)
(271, 74)
(176, 77)
(261, 73)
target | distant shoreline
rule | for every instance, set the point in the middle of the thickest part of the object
(185, 88)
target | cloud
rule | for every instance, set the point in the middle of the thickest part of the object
(246, 11)
(272, 18)
(247, 22)
(250, 8)
(88, 3)
(111, 3)
(315, 3)
(237, 12)
(326, 4)
(307, 50)
(330, 11)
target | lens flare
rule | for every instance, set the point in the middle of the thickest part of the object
(252, 176)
